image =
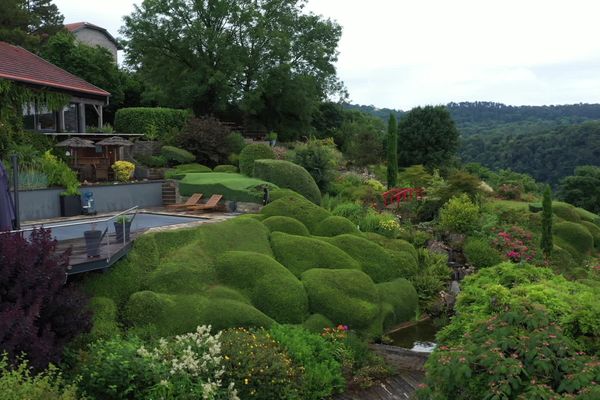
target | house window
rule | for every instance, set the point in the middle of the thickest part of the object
(39, 118)
(70, 114)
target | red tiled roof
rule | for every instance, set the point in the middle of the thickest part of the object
(17, 64)
(76, 26)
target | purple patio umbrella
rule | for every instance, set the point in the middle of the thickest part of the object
(7, 208)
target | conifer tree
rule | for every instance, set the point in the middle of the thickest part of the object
(547, 243)
(392, 152)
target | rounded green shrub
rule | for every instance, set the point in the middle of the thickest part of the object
(226, 168)
(179, 171)
(105, 318)
(594, 230)
(345, 296)
(334, 226)
(565, 211)
(374, 259)
(459, 215)
(353, 211)
(251, 153)
(277, 194)
(300, 253)
(401, 295)
(178, 278)
(258, 217)
(480, 253)
(141, 119)
(176, 155)
(295, 207)
(286, 225)
(588, 216)
(406, 265)
(223, 292)
(317, 323)
(575, 238)
(271, 288)
(288, 175)
(224, 313)
(392, 244)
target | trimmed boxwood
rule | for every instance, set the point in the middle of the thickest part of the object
(269, 285)
(299, 253)
(575, 238)
(226, 168)
(140, 119)
(286, 225)
(404, 263)
(105, 318)
(288, 175)
(565, 211)
(480, 253)
(179, 171)
(284, 193)
(316, 323)
(175, 155)
(594, 230)
(334, 226)
(374, 259)
(392, 244)
(251, 153)
(299, 208)
(344, 296)
(403, 298)
(588, 216)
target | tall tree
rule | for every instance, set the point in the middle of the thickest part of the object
(257, 54)
(28, 23)
(392, 152)
(583, 188)
(547, 241)
(427, 136)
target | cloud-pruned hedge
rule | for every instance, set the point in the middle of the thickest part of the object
(288, 175)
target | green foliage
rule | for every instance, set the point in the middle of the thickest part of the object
(296, 207)
(392, 152)
(363, 140)
(17, 383)
(432, 278)
(175, 155)
(575, 238)
(180, 171)
(565, 211)
(234, 187)
(299, 254)
(270, 286)
(480, 253)
(210, 140)
(140, 119)
(286, 225)
(59, 174)
(374, 260)
(105, 318)
(316, 323)
(28, 25)
(320, 158)
(277, 194)
(251, 153)
(459, 214)
(398, 245)
(334, 226)
(226, 168)
(547, 243)
(415, 176)
(322, 373)
(594, 230)
(288, 175)
(344, 296)
(403, 299)
(260, 368)
(427, 136)
(352, 211)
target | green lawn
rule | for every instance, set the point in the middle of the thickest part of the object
(233, 187)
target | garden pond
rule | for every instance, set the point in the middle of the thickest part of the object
(417, 337)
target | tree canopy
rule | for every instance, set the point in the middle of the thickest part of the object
(28, 22)
(583, 188)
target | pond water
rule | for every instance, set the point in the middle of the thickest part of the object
(419, 337)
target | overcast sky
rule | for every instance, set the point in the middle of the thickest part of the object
(404, 53)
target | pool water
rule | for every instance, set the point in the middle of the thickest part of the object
(141, 221)
(419, 337)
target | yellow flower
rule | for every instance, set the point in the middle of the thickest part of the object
(245, 381)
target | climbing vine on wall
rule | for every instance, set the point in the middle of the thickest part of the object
(12, 98)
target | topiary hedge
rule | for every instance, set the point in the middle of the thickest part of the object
(296, 207)
(374, 260)
(251, 153)
(299, 253)
(316, 323)
(344, 296)
(392, 244)
(284, 193)
(565, 211)
(288, 175)
(226, 168)
(179, 171)
(588, 216)
(575, 238)
(334, 226)
(271, 288)
(406, 265)
(233, 187)
(105, 318)
(594, 230)
(286, 225)
(480, 253)
(401, 295)
(175, 155)
(141, 119)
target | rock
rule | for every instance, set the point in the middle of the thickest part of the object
(455, 288)
(436, 246)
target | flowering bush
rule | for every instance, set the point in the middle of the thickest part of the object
(516, 244)
(259, 366)
(123, 170)
(339, 333)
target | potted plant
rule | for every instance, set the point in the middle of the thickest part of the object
(93, 239)
(123, 224)
(70, 201)
(272, 138)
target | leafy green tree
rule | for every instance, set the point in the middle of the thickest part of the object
(427, 136)
(392, 152)
(547, 240)
(268, 57)
(583, 188)
(27, 22)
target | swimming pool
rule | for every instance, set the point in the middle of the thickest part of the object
(142, 221)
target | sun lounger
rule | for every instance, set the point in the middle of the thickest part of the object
(194, 200)
(211, 204)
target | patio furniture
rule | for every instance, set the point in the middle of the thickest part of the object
(210, 205)
(194, 200)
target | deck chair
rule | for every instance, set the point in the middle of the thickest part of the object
(193, 200)
(211, 204)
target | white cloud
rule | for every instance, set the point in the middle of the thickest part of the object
(402, 53)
